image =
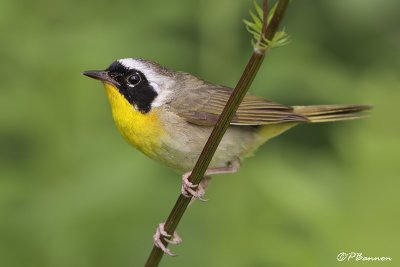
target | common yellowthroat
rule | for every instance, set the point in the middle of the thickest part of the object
(169, 115)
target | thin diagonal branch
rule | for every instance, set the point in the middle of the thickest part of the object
(268, 32)
(265, 19)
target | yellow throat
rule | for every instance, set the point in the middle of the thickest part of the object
(143, 131)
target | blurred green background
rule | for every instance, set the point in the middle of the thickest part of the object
(73, 193)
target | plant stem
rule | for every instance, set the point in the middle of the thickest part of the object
(268, 31)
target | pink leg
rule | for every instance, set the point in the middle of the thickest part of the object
(194, 192)
(161, 233)
(198, 191)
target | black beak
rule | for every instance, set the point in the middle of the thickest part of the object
(100, 75)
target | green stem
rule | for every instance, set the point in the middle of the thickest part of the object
(221, 126)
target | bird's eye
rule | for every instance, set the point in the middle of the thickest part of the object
(133, 79)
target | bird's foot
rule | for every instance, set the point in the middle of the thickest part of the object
(191, 190)
(175, 239)
(195, 191)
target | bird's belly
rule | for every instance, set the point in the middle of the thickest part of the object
(181, 149)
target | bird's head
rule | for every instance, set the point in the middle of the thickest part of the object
(144, 84)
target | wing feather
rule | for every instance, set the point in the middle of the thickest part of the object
(204, 105)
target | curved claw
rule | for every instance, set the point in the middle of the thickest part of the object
(176, 239)
(195, 191)
(189, 189)
(161, 233)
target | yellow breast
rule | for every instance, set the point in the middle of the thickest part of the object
(143, 131)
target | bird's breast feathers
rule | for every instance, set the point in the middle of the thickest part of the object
(142, 130)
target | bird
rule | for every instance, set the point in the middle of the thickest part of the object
(169, 115)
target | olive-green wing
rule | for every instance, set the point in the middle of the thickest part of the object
(203, 107)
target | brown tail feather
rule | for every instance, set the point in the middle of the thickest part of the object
(324, 113)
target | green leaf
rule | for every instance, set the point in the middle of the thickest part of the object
(254, 27)
(257, 20)
(272, 12)
(259, 10)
